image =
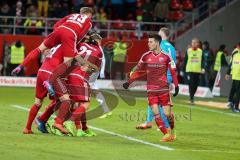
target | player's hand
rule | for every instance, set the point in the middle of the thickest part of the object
(227, 77)
(126, 85)
(176, 91)
(203, 71)
(49, 87)
(17, 70)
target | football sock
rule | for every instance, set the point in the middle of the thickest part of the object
(160, 123)
(63, 112)
(31, 115)
(84, 121)
(171, 121)
(78, 124)
(48, 112)
(77, 114)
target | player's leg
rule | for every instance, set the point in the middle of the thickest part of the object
(31, 115)
(148, 123)
(80, 93)
(43, 118)
(49, 110)
(165, 100)
(150, 117)
(65, 104)
(160, 123)
(40, 93)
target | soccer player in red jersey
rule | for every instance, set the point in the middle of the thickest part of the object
(54, 57)
(67, 32)
(77, 88)
(154, 65)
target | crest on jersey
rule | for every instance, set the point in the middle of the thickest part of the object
(161, 59)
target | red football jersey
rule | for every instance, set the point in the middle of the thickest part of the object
(154, 67)
(91, 53)
(54, 58)
(78, 23)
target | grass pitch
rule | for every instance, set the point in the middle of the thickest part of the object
(202, 133)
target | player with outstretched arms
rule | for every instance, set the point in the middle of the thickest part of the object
(154, 65)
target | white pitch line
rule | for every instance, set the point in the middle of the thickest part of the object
(141, 141)
(114, 134)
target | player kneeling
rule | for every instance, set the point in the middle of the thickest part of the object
(154, 65)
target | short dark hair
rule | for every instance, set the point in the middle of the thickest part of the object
(156, 37)
(222, 47)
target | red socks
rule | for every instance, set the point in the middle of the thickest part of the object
(79, 115)
(171, 121)
(78, 124)
(48, 112)
(160, 123)
(32, 115)
(63, 112)
(84, 121)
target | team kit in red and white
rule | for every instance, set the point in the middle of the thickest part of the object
(66, 36)
(65, 42)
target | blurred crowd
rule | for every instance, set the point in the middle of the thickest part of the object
(130, 10)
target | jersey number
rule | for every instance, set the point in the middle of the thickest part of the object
(83, 49)
(78, 19)
(53, 51)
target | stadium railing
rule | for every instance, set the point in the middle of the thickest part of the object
(109, 27)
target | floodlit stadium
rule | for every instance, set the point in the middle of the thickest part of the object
(119, 79)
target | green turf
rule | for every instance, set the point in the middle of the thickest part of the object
(203, 133)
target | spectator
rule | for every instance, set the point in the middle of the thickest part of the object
(193, 65)
(56, 10)
(220, 59)
(19, 12)
(16, 56)
(102, 17)
(5, 11)
(108, 53)
(208, 60)
(119, 59)
(131, 7)
(117, 9)
(147, 9)
(89, 3)
(43, 8)
(32, 22)
(234, 70)
(161, 11)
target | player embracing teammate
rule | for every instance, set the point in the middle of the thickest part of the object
(66, 34)
(154, 65)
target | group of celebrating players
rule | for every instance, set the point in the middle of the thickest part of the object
(74, 58)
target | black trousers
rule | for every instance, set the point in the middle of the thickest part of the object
(194, 79)
(118, 67)
(234, 95)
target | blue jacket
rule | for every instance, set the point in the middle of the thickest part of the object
(168, 48)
